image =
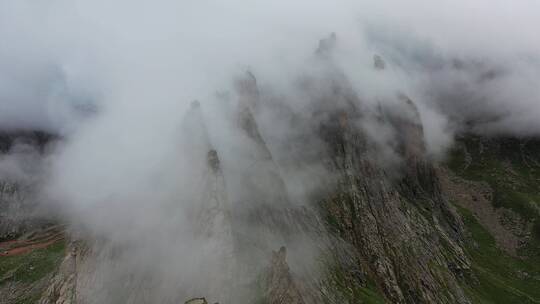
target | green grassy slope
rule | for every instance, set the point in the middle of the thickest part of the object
(510, 167)
(29, 268)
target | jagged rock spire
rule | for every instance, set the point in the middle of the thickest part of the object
(213, 161)
(264, 171)
(378, 62)
(264, 216)
(281, 287)
(248, 90)
(212, 219)
(326, 45)
(409, 125)
(197, 301)
(194, 129)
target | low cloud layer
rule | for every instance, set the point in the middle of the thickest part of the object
(62, 59)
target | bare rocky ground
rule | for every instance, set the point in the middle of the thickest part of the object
(477, 196)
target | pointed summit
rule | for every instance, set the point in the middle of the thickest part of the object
(326, 45)
(378, 63)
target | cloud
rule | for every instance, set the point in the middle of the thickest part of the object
(116, 79)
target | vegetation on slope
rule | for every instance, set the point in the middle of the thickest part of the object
(512, 170)
(32, 266)
(28, 271)
(496, 276)
(341, 287)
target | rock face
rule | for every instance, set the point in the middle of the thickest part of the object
(477, 197)
(15, 210)
(62, 288)
(18, 185)
(263, 216)
(280, 285)
(407, 237)
(197, 301)
(398, 227)
(378, 62)
(38, 139)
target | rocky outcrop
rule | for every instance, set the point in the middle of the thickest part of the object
(478, 198)
(326, 45)
(20, 151)
(407, 236)
(264, 216)
(378, 62)
(38, 139)
(197, 301)
(15, 210)
(401, 245)
(280, 284)
(62, 287)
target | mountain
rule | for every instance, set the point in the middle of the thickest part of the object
(382, 226)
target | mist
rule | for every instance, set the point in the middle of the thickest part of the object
(117, 80)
